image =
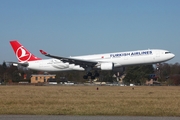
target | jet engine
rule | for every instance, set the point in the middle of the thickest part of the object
(107, 66)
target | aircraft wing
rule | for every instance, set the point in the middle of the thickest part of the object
(82, 63)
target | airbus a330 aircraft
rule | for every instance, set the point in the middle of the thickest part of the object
(107, 61)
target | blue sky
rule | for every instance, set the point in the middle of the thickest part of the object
(80, 27)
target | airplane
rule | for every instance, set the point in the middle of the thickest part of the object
(88, 63)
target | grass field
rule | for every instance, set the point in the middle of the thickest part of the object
(86, 100)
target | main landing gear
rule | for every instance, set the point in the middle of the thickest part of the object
(92, 75)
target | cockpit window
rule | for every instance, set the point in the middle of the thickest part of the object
(167, 52)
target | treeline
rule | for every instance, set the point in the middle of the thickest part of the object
(11, 73)
(168, 74)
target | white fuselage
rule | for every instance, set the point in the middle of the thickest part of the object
(119, 59)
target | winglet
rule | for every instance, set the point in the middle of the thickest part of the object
(43, 52)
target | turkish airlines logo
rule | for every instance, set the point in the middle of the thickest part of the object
(22, 54)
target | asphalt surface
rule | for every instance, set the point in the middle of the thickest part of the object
(38, 117)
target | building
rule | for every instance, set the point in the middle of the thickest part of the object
(41, 78)
(152, 82)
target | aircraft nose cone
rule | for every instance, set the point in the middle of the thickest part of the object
(173, 55)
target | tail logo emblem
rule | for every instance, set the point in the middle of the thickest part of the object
(22, 54)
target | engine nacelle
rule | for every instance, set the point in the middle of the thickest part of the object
(107, 66)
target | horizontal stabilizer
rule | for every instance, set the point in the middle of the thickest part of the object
(21, 64)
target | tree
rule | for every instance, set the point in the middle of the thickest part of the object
(4, 66)
(106, 76)
(16, 76)
(138, 74)
(175, 79)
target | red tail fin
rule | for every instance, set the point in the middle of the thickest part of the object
(22, 54)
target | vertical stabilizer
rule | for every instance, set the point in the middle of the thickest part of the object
(22, 54)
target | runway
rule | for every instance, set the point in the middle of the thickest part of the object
(52, 117)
